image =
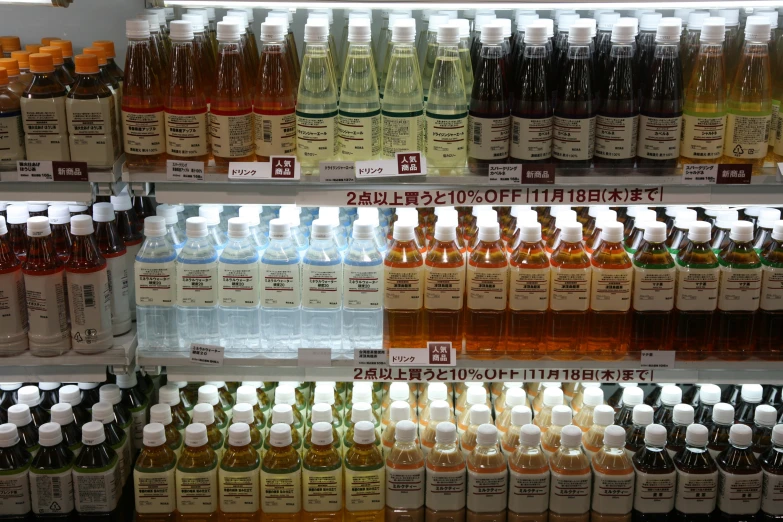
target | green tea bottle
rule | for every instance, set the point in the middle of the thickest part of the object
(239, 477)
(72, 396)
(248, 395)
(97, 480)
(19, 416)
(161, 414)
(197, 477)
(281, 474)
(322, 476)
(111, 394)
(51, 478)
(208, 394)
(770, 326)
(154, 478)
(365, 477)
(138, 405)
(243, 414)
(169, 395)
(204, 414)
(115, 438)
(62, 414)
(14, 468)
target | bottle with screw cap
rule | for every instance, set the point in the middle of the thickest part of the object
(216, 225)
(137, 403)
(43, 112)
(31, 397)
(247, 394)
(552, 396)
(444, 282)
(439, 412)
(112, 249)
(740, 476)
(13, 323)
(656, 477)
(551, 438)
(284, 414)
(478, 415)
(365, 476)
(16, 220)
(322, 476)
(678, 236)
(613, 479)
(529, 478)
(10, 120)
(671, 395)
(15, 460)
(512, 397)
(709, 396)
(239, 477)
(173, 232)
(197, 476)
(243, 414)
(210, 394)
(751, 396)
(399, 411)
(475, 395)
(764, 421)
(403, 290)
(116, 438)
(682, 418)
(519, 417)
(593, 438)
(205, 414)
(362, 290)
(161, 414)
(634, 439)
(697, 478)
(770, 460)
(570, 489)
(288, 393)
(632, 396)
(154, 477)
(405, 475)
(322, 412)
(322, 284)
(593, 396)
(765, 225)
(112, 394)
(97, 479)
(487, 481)
(280, 294)
(62, 414)
(169, 395)
(72, 396)
(770, 306)
(281, 477)
(722, 420)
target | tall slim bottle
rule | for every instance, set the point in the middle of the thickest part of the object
(322, 282)
(529, 480)
(97, 482)
(771, 304)
(446, 478)
(404, 291)
(238, 477)
(112, 249)
(613, 479)
(697, 478)
(656, 478)
(405, 476)
(487, 485)
(161, 414)
(770, 460)
(197, 477)
(365, 477)
(13, 324)
(154, 479)
(238, 290)
(322, 477)
(111, 84)
(740, 478)
(116, 437)
(444, 282)
(362, 290)
(128, 227)
(280, 290)
(51, 476)
(570, 489)
(44, 114)
(12, 141)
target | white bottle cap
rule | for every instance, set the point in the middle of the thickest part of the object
(777, 435)
(476, 395)
(208, 394)
(127, 381)
(530, 233)
(154, 226)
(363, 230)
(137, 29)
(757, 28)
(362, 393)
(603, 415)
(238, 228)
(321, 434)
(655, 435)
(445, 433)
(400, 411)
(196, 227)
(740, 435)
(75, 208)
(440, 411)
(359, 30)
(154, 434)
(181, 30)
(251, 214)
(709, 394)
(59, 214)
(553, 396)
(614, 436)
(699, 232)
(464, 27)
(492, 33)
(285, 394)
(777, 231)
(654, 232)
(19, 414)
(241, 14)
(405, 431)
(103, 412)
(70, 394)
(750, 393)
(321, 413)
(211, 213)
(229, 30)
(322, 230)
(487, 435)
(489, 232)
(767, 217)
(324, 394)
(88, 385)
(29, 395)
(642, 414)
(239, 434)
(364, 432)
(93, 434)
(537, 32)
(671, 395)
(713, 30)
(741, 231)
(161, 413)
(593, 396)
(404, 31)
(683, 414)
(564, 216)
(203, 413)
(669, 30)
(515, 397)
(103, 212)
(571, 436)
(316, 31)
(624, 30)
(437, 391)
(650, 21)
(765, 415)
(275, 30)
(571, 233)
(521, 415)
(196, 435)
(50, 434)
(279, 229)
(9, 436)
(529, 435)
(696, 20)
(167, 212)
(561, 415)
(38, 226)
(577, 34)
(607, 21)
(62, 413)
(282, 414)
(723, 413)
(17, 214)
(168, 395)
(612, 232)
(480, 414)
(684, 217)
(445, 230)
(696, 435)
(447, 34)
(725, 218)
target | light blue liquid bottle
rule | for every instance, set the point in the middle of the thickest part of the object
(259, 237)
(281, 328)
(269, 213)
(322, 277)
(197, 287)
(332, 215)
(362, 290)
(215, 231)
(156, 290)
(238, 291)
(173, 231)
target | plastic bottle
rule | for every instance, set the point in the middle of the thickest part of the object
(204, 413)
(210, 394)
(513, 397)
(15, 464)
(770, 306)
(43, 112)
(138, 405)
(51, 480)
(697, 478)
(551, 438)
(740, 477)
(238, 477)
(154, 477)
(97, 480)
(478, 415)
(111, 65)
(764, 421)
(63, 415)
(13, 323)
(722, 420)
(285, 414)
(593, 438)
(162, 414)
(322, 477)
(510, 438)
(116, 438)
(280, 291)
(656, 477)
(671, 395)
(17, 216)
(322, 285)
(404, 291)
(529, 481)
(128, 226)
(13, 142)
(112, 249)
(158, 48)
(593, 397)
(570, 489)
(365, 478)
(113, 126)
(634, 440)
(770, 465)
(197, 477)
(751, 396)
(405, 480)
(444, 285)
(613, 485)
(551, 397)
(682, 418)
(446, 476)
(487, 486)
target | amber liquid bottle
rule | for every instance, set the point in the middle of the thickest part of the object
(197, 477)
(111, 65)
(403, 318)
(365, 478)
(12, 148)
(322, 477)
(112, 248)
(154, 478)
(444, 280)
(405, 481)
(740, 478)
(239, 478)
(43, 113)
(697, 478)
(722, 421)
(770, 315)
(772, 465)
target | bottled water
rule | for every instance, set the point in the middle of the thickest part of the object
(269, 213)
(307, 216)
(371, 215)
(259, 238)
(215, 230)
(280, 291)
(238, 290)
(156, 291)
(332, 215)
(299, 233)
(362, 290)
(173, 231)
(197, 287)
(322, 278)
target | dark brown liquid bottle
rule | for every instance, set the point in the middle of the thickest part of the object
(43, 112)
(722, 420)
(772, 465)
(634, 439)
(14, 464)
(741, 478)
(112, 248)
(697, 478)
(770, 315)
(671, 395)
(683, 417)
(750, 397)
(632, 396)
(656, 478)
(765, 419)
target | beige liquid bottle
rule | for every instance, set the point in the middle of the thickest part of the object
(281, 477)
(154, 477)
(552, 397)
(551, 438)
(477, 395)
(238, 478)
(405, 480)
(613, 479)
(399, 391)
(399, 411)
(591, 398)
(446, 476)
(435, 391)
(512, 398)
(509, 439)
(529, 478)
(501, 400)
(439, 412)
(570, 491)
(479, 415)
(365, 477)
(487, 478)
(322, 477)
(197, 477)
(593, 439)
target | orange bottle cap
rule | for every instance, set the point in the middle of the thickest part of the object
(3, 76)
(100, 53)
(33, 48)
(107, 46)
(22, 58)
(66, 46)
(10, 43)
(56, 52)
(10, 65)
(41, 63)
(47, 40)
(86, 64)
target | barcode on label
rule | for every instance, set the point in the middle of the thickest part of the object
(89, 296)
(476, 133)
(515, 133)
(267, 131)
(56, 487)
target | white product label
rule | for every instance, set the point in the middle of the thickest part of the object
(531, 138)
(528, 492)
(89, 300)
(362, 286)
(697, 288)
(11, 137)
(197, 492)
(281, 288)
(97, 492)
(359, 135)
(144, 132)
(281, 492)
(405, 488)
(573, 138)
(611, 289)
(46, 308)
(239, 491)
(773, 125)
(186, 133)
(615, 137)
(155, 283)
(15, 493)
(486, 288)
(52, 491)
(316, 136)
(155, 492)
(46, 128)
(772, 494)
(740, 289)
(653, 289)
(403, 287)
(123, 450)
(238, 284)
(570, 494)
(488, 137)
(446, 137)
(702, 136)
(613, 494)
(117, 272)
(771, 288)
(92, 127)
(747, 137)
(659, 138)
(323, 490)
(231, 134)
(570, 289)
(444, 288)
(696, 493)
(446, 489)
(197, 284)
(655, 492)
(275, 134)
(139, 420)
(402, 132)
(528, 288)
(322, 286)
(13, 310)
(739, 494)
(487, 492)
(365, 490)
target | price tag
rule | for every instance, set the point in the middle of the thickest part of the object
(538, 174)
(508, 174)
(658, 359)
(70, 171)
(34, 171)
(314, 357)
(277, 168)
(435, 354)
(696, 174)
(404, 164)
(184, 170)
(337, 172)
(734, 173)
(370, 357)
(206, 354)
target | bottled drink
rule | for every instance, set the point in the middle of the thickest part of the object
(682, 418)
(209, 394)
(399, 411)
(137, 403)
(284, 414)
(159, 52)
(128, 226)
(322, 275)
(97, 480)
(476, 395)
(478, 415)
(19, 415)
(592, 398)
(112, 249)
(197, 477)
(697, 478)
(445, 495)
(769, 316)
(764, 421)
(740, 477)
(634, 440)
(238, 477)
(51, 480)
(722, 420)
(570, 490)
(404, 288)
(656, 477)
(552, 397)
(203, 51)
(428, 51)
(173, 231)
(512, 398)
(111, 65)
(72, 396)
(487, 477)
(770, 465)
(510, 435)
(439, 412)
(362, 298)
(13, 143)
(405, 476)
(154, 477)
(63, 415)
(15, 463)
(17, 216)
(671, 395)
(13, 324)
(709, 396)
(613, 479)
(593, 438)
(444, 285)
(113, 86)
(365, 478)
(551, 438)
(322, 477)
(161, 414)
(116, 438)
(751, 396)
(216, 229)
(43, 112)
(280, 290)
(528, 498)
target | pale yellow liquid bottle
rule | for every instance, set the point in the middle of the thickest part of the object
(281, 477)
(592, 397)
(208, 394)
(365, 477)
(570, 490)
(528, 498)
(515, 397)
(361, 411)
(440, 412)
(500, 400)
(322, 477)
(477, 396)
(247, 395)
(239, 478)
(321, 413)
(154, 477)
(487, 478)
(593, 439)
(400, 391)
(243, 414)
(446, 478)
(161, 413)
(613, 479)
(519, 416)
(284, 414)
(552, 397)
(197, 477)
(405, 480)
(326, 394)
(550, 439)
(205, 414)
(399, 411)
(479, 415)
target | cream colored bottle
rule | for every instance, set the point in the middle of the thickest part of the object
(592, 397)
(476, 395)
(529, 478)
(398, 411)
(551, 397)
(593, 439)
(479, 415)
(399, 391)
(613, 479)
(570, 491)
(197, 477)
(501, 399)
(509, 440)
(365, 477)
(440, 411)
(238, 477)
(513, 398)
(435, 391)
(551, 438)
(487, 478)
(405, 476)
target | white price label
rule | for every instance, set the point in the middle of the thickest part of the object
(658, 359)
(700, 174)
(283, 168)
(206, 354)
(435, 354)
(370, 357)
(314, 357)
(337, 172)
(404, 164)
(34, 171)
(184, 170)
(508, 174)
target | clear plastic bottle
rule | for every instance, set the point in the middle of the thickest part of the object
(446, 478)
(405, 480)
(512, 398)
(280, 291)
(697, 478)
(365, 477)
(404, 291)
(656, 477)
(15, 464)
(722, 420)
(671, 395)
(570, 490)
(682, 418)
(116, 437)
(112, 249)
(592, 397)
(204, 414)
(593, 439)
(197, 477)
(208, 394)
(740, 477)
(763, 423)
(51, 480)
(634, 440)
(238, 477)
(751, 396)
(770, 462)
(173, 231)
(154, 477)
(613, 479)
(284, 414)
(632, 396)
(399, 411)
(161, 414)
(510, 438)
(478, 415)
(216, 229)
(322, 477)
(487, 486)
(19, 415)
(322, 285)
(13, 324)
(97, 482)
(709, 396)
(529, 479)
(130, 229)
(551, 438)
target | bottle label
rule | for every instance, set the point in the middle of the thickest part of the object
(486, 287)
(123, 450)
(444, 288)
(488, 137)
(696, 493)
(45, 128)
(771, 289)
(446, 136)
(777, 129)
(615, 137)
(322, 286)
(197, 492)
(359, 134)
(281, 492)
(702, 135)
(239, 491)
(97, 490)
(446, 489)
(197, 284)
(402, 132)
(46, 305)
(362, 286)
(747, 136)
(570, 494)
(653, 289)
(154, 283)
(654, 492)
(740, 289)
(13, 309)
(89, 297)
(275, 133)
(11, 137)
(231, 133)
(697, 288)
(403, 287)
(15, 492)
(144, 131)
(739, 494)
(365, 490)
(51, 491)
(570, 289)
(528, 492)
(659, 138)
(281, 287)
(573, 138)
(531, 138)
(139, 420)
(316, 136)
(117, 272)
(611, 290)
(238, 285)
(323, 490)
(155, 492)
(405, 488)
(92, 127)
(772, 494)
(613, 494)
(487, 492)
(529, 288)
(773, 124)
(186, 132)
